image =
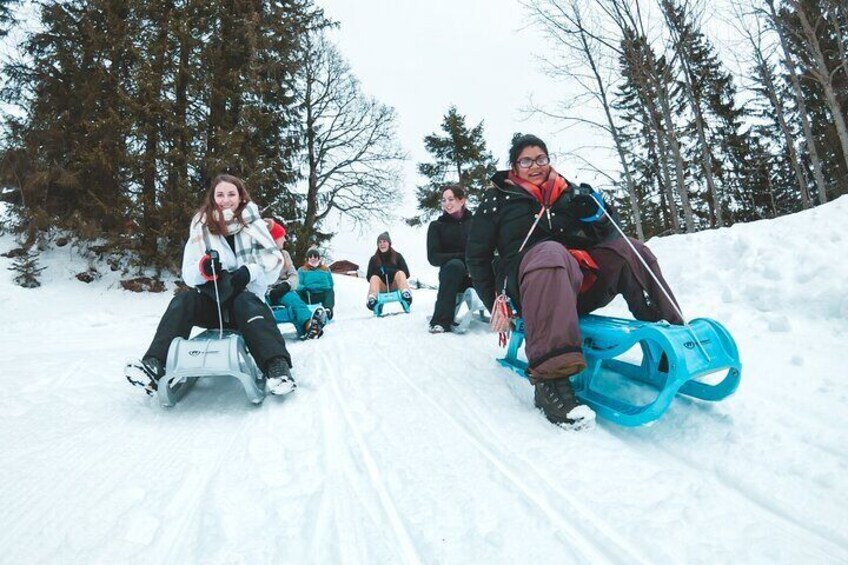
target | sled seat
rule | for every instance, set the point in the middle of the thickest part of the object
(208, 354)
(384, 298)
(671, 362)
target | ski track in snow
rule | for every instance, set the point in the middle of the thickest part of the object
(594, 541)
(404, 447)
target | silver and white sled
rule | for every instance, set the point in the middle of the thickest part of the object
(473, 306)
(209, 354)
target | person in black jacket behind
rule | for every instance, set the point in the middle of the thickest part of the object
(387, 271)
(446, 238)
(559, 257)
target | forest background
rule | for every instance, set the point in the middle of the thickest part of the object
(117, 114)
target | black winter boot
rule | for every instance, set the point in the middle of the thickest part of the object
(279, 377)
(145, 373)
(315, 325)
(557, 401)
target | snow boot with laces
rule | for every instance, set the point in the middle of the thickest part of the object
(145, 373)
(315, 324)
(557, 401)
(279, 378)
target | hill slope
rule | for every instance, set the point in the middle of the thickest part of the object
(400, 446)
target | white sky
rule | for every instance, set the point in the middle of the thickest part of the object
(421, 57)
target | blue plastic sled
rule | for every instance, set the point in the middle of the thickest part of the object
(684, 369)
(282, 316)
(384, 298)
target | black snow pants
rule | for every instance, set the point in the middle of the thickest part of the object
(453, 279)
(245, 313)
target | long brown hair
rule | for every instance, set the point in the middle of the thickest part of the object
(391, 256)
(208, 209)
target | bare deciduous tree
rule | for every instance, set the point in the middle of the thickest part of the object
(564, 22)
(351, 156)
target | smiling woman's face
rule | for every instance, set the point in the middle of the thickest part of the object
(227, 196)
(534, 173)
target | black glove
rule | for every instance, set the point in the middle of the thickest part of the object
(210, 267)
(277, 292)
(585, 202)
(241, 277)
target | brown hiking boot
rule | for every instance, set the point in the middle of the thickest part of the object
(557, 401)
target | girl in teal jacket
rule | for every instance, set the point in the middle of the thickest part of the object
(316, 282)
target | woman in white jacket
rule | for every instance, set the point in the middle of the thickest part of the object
(229, 244)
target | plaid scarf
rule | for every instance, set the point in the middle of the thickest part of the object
(547, 193)
(253, 243)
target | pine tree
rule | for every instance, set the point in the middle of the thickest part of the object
(26, 268)
(460, 156)
(7, 16)
(128, 108)
(71, 143)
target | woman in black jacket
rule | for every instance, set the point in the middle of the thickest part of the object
(559, 257)
(446, 239)
(387, 271)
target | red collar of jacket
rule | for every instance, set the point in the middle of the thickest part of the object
(547, 193)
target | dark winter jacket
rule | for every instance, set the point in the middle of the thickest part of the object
(503, 220)
(386, 264)
(446, 238)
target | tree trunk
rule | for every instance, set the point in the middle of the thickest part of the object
(818, 175)
(151, 120)
(655, 120)
(616, 136)
(716, 219)
(178, 169)
(674, 144)
(779, 112)
(822, 74)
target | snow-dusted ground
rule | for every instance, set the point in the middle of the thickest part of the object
(400, 446)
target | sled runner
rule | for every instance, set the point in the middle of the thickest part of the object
(473, 306)
(384, 298)
(209, 354)
(671, 362)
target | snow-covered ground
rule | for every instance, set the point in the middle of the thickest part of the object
(400, 446)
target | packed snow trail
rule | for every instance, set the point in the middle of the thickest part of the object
(401, 446)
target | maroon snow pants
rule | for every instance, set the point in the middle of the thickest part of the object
(549, 279)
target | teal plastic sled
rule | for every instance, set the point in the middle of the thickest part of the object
(384, 298)
(209, 354)
(282, 316)
(631, 391)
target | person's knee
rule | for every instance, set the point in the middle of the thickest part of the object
(290, 299)
(246, 303)
(453, 269)
(548, 255)
(184, 301)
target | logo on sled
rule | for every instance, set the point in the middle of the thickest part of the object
(196, 352)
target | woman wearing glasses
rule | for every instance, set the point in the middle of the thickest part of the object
(446, 238)
(559, 257)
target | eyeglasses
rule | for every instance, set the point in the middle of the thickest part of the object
(527, 162)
